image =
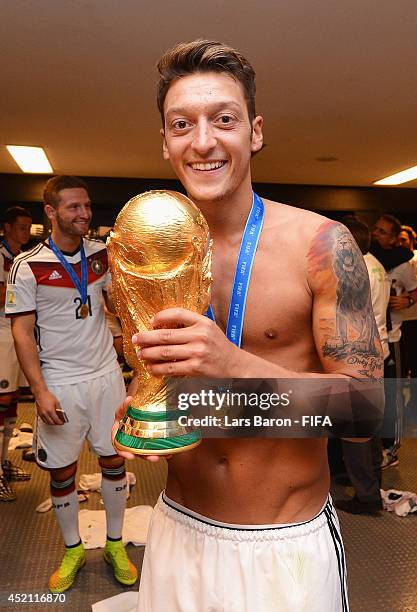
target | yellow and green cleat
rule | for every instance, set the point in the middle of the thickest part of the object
(123, 569)
(63, 578)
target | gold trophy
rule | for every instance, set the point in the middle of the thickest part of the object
(160, 257)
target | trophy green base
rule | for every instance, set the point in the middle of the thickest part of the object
(154, 433)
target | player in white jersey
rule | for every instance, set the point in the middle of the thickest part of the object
(17, 224)
(55, 292)
(40, 284)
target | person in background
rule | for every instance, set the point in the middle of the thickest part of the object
(401, 274)
(115, 330)
(363, 460)
(16, 227)
(57, 290)
(407, 239)
(408, 341)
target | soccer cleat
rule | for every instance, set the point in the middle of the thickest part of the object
(6, 492)
(63, 578)
(123, 569)
(14, 472)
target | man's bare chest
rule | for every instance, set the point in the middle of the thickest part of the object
(278, 303)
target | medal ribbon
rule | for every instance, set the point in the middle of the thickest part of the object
(248, 246)
(8, 249)
(82, 286)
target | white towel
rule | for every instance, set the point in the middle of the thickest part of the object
(23, 439)
(135, 526)
(92, 482)
(124, 602)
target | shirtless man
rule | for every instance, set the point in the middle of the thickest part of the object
(247, 524)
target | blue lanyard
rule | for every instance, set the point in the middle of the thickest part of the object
(81, 286)
(8, 249)
(248, 246)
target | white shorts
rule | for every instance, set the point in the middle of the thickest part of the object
(9, 365)
(90, 406)
(195, 564)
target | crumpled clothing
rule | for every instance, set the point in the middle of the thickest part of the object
(124, 602)
(400, 502)
(92, 482)
(21, 439)
(135, 526)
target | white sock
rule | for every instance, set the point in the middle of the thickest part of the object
(66, 512)
(113, 493)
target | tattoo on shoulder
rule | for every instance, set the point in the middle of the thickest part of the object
(352, 335)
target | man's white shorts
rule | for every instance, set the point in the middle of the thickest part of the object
(195, 564)
(90, 406)
(9, 365)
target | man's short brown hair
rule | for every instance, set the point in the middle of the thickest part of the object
(359, 231)
(395, 224)
(57, 184)
(205, 56)
(13, 213)
(411, 234)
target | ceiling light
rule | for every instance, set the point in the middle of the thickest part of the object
(400, 177)
(30, 159)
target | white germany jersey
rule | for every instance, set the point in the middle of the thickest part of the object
(71, 349)
(6, 261)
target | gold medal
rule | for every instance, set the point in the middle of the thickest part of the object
(84, 311)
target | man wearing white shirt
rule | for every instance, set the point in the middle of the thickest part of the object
(408, 341)
(55, 297)
(403, 295)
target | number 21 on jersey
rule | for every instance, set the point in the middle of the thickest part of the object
(81, 310)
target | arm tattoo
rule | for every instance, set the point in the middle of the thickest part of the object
(353, 333)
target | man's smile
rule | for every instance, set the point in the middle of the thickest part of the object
(207, 166)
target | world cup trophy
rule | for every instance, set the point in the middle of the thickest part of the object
(160, 257)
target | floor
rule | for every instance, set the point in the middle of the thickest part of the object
(381, 551)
